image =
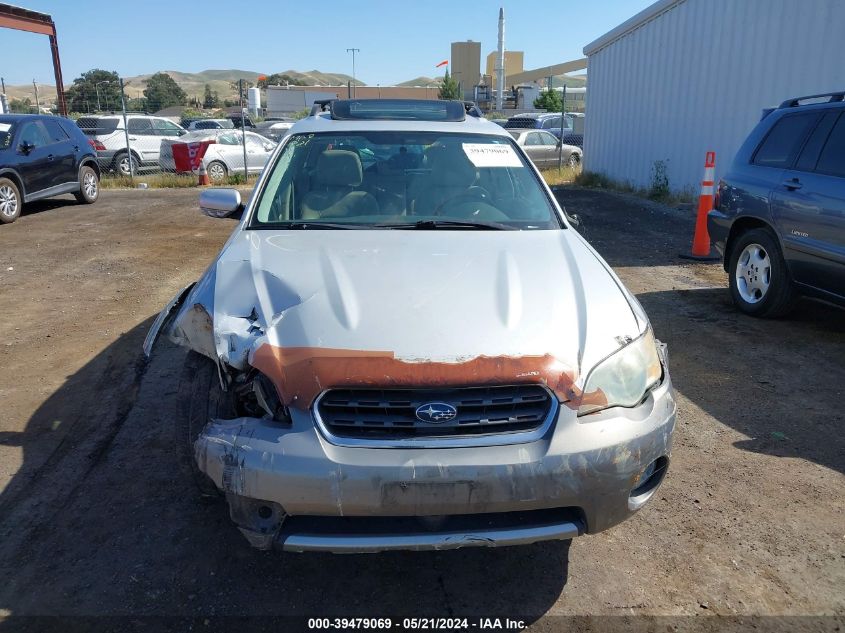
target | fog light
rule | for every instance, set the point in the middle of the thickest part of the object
(650, 478)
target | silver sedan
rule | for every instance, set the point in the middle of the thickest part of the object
(544, 148)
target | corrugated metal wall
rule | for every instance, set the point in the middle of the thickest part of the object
(696, 77)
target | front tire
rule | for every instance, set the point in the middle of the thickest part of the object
(759, 280)
(574, 160)
(89, 185)
(202, 400)
(11, 202)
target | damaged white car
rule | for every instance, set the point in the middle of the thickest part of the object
(405, 345)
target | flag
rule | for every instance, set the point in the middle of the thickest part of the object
(445, 62)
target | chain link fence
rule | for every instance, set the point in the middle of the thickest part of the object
(228, 145)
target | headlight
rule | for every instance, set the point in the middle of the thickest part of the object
(622, 379)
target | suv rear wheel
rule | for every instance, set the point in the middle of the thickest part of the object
(121, 164)
(758, 278)
(89, 185)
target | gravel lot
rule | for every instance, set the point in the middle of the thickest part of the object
(97, 515)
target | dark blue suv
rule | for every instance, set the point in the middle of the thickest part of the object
(779, 216)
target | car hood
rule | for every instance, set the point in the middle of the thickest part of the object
(394, 307)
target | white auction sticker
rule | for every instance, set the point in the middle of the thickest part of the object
(5, 127)
(488, 155)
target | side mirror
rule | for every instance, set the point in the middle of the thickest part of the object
(220, 203)
(26, 147)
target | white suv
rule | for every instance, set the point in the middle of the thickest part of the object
(145, 135)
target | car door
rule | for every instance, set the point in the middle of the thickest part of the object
(256, 152)
(808, 207)
(142, 139)
(34, 159)
(64, 151)
(550, 148)
(533, 146)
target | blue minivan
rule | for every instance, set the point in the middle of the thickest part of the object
(779, 216)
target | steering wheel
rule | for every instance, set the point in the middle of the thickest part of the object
(472, 194)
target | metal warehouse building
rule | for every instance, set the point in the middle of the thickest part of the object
(686, 76)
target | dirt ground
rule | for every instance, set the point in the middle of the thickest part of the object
(97, 516)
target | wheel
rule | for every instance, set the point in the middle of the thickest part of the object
(758, 277)
(89, 186)
(10, 201)
(122, 164)
(201, 399)
(574, 159)
(217, 171)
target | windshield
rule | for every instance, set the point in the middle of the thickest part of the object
(387, 179)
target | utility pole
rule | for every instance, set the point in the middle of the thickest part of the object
(243, 123)
(37, 105)
(353, 51)
(126, 133)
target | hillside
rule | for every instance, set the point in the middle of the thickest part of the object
(224, 82)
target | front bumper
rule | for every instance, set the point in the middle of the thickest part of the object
(577, 478)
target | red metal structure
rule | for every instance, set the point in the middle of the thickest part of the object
(34, 22)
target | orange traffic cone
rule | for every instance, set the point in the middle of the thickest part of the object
(203, 176)
(701, 238)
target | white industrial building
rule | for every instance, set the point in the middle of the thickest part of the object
(686, 76)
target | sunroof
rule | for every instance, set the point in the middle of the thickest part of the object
(397, 110)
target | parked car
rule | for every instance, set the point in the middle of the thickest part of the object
(42, 157)
(236, 121)
(274, 129)
(225, 155)
(210, 124)
(550, 122)
(779, 216)
(145, 135)
(422, 355)
(543, 148)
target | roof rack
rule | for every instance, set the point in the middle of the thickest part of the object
(472, 109)
(320, 105)
(398, 110)
(832, 97)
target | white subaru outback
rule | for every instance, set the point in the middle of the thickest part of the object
(405, 345)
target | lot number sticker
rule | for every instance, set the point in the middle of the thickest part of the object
(487, 155)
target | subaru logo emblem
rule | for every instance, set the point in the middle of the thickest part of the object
(436, 412)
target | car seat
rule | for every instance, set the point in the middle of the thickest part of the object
(333, 182)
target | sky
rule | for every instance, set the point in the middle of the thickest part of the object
(398, 39)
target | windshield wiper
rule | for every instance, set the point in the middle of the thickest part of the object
(433, 225)
(315, 225)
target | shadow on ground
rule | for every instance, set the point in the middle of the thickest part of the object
(110, 524)
(780, 382)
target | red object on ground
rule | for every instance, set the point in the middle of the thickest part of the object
(701, 239)
(188, 156)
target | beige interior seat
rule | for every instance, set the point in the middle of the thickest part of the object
(336, 175)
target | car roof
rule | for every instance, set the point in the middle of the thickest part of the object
(323, 122)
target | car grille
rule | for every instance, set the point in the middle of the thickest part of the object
(391, 413)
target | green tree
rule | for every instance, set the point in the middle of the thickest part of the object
(449, 88)
(280, 79)
(209, 99)
(22, 106)
(162, 92)
(549, 100)
(94, 88)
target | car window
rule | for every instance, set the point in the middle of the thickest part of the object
(255, 141)
(547, 138)
(809, 156)
(832, 158)
(6, 131)
(34, 134)
(93, 126)
(784, 140)
(55, 131)
(533, 139)
(229, 139)
(360, 178)
(140, 126)
(163, 127)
